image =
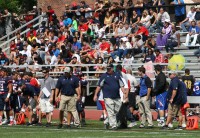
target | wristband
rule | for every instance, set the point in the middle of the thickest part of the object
(8, 96)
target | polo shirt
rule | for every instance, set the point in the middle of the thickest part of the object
(49, 83)
(176, 84)
(68, 86)
(110, 85)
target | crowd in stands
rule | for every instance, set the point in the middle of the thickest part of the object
(84, 34)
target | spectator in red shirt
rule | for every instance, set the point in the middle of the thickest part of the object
(83, 27)
(32, 31)
(142, 31)
(50, 12)
(61, 38)
(13, 50)
(104, 48)
(159, 56)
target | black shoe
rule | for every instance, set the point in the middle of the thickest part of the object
(165, 127)
(179, 128)
(29, 124)
(48, 124)
(101, 119)
(106, 126)
(59, 126)
(123, 126)
(83, 123)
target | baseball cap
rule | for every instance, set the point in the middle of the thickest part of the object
(110, 66)
(34, 7)
(67, 70)
(167, 20)
(45, 71)
(172, 72)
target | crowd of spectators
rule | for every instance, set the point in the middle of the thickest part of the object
(88, 35)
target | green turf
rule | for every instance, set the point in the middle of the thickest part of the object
(93, 129)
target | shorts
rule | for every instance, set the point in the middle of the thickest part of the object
(161, 101)
(45, 106)
(4, 106)
(102, 105)
(132, 99)
(174, 110)
(67, 103)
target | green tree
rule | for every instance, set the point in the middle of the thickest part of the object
(17, 6)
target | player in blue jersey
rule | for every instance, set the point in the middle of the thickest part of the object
(5, 93)
(196, 92)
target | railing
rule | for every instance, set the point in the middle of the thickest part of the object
(87, 72)
(5, 45)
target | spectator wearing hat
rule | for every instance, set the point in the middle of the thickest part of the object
(110, 83)
(67, 86)
(162, 38)
(45, 97)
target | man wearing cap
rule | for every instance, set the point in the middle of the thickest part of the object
(46, 97)
(5, 92)
(110, 83)
(175, 97)
(68, 85)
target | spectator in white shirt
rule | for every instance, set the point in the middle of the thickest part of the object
(26, 51)
(190, 17)
(145, 20)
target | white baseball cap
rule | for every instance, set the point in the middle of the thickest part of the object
(34, 7)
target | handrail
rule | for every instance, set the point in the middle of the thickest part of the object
(4, 43)
(38, 17)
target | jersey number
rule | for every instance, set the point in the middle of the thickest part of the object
(188, 84)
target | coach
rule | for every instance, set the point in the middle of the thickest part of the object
(175, 97)
(110, 83)
(46, 97)
(68, 86)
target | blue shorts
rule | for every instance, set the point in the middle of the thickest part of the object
(4, 106)
(161, 101)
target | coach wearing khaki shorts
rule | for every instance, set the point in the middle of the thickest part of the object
(68, 86)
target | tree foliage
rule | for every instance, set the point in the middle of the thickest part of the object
(18, 6)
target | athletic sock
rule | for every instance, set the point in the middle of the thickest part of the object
(11, 118)
(162, 119)
(0, 118)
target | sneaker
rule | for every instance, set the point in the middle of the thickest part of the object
(179, 128)
(132, 124)
(59, 126)
(184, 125)
(28, 124)
(106, 126)
(5, 122)
(166, 127)
(161, 124)
(11, 123)
(142, 126)
(150, 126)
(170, 125)
(114, 128)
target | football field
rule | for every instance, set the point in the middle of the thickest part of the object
(93, 129)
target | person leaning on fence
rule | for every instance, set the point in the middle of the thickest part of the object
(68, 86)
(110, 83)
(144, 100)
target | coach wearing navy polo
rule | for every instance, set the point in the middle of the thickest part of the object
(110, 83)
(68, 86)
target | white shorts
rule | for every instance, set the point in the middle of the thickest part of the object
(45, 106)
